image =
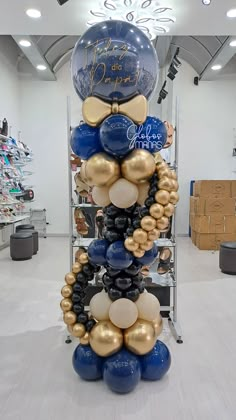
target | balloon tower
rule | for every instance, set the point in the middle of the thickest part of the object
(115, 70)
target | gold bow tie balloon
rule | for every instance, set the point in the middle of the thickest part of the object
(95, 110)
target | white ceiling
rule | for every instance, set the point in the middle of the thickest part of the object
(192, 18)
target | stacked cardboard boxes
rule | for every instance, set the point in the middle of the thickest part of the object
(212, 213)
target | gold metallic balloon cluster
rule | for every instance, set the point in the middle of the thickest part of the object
(159, 213)
(69, 317)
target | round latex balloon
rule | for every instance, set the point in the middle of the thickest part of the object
(123, 313)
(138, 166)
(114, 135)
(143, 190)
(105, 338)
(114, 61)
(151, 135)
(102, 170)
(148, 306)
(85, 141)
(97, 251)
(123, 193)
(149, 256)
(156, 364)
(86, 363)
(101, 196)
(118, 257)
(100, 305)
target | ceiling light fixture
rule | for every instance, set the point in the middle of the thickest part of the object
(24, 43)
(217, 67)
(41, 67)
(233, 43)
(206, 2)
(33, 13)
(146, 15)
(231, 13)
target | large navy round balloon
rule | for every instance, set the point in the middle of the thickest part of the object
(97, 251)
(114, 61)
(121, 372)
(149, 256)
(156, 363)
(151, 135)
(85, 141)
(114, 135)
(87, 363)
(118, 257)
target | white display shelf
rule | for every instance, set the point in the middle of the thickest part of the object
(82, 242)
(85, 205)
(15, 220)
(164, 242)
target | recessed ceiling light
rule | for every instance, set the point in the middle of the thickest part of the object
(206, 2)
(33, 13)
(25, 43)
(231, 13)
(233, 43)
(216, 67)
(41, 67)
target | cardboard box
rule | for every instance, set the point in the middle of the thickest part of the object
(212, 189)
(216, 223)
(192, 204)
(212, 241)
(193, 236)
(233, 189)
(209, 206)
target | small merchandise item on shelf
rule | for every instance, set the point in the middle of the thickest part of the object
(80, 221)
(138, 193)
(4, 128)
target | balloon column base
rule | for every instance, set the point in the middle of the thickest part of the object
(123, 370)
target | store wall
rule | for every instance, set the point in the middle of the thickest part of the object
(43, 113)
(207, 119)
(9, 83)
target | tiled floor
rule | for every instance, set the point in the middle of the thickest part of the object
(37, 381)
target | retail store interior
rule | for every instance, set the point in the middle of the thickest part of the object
(195, 42)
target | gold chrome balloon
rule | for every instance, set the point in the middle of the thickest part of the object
(140, 236)
(102, 170)
(158, 325)
(66, 305)
(83, 173)
(138, 166)
(162, 197)
(153, 235)
(174, 175)
(131, 245)
(175, 185)
(69, 318)
(78, 330)
(156, 211)
(162, 223)
(66, 291)
(158, 158)
(164, 184)
(85, 339)
(169, 210)
(139, 253)
(77, 267)
(164, 173)
(174, 197)
(148, 223)
(70, 278)
(147, 246)
(141, 337)
(106, 338)
(83, 258)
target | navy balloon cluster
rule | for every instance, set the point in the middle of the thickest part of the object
(123, 370)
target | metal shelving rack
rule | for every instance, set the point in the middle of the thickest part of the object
(160, 283)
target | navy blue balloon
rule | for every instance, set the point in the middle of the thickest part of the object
(114, 61)
(118, 257)
(87, 364)
(151, 135)
(156, 363)
(149, 256)
(97, 251)
(85, 141)
(114, 133)
(121, 372)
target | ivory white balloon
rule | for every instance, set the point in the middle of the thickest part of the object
(100, 305)
(148, 306)
(123, 313)
(123, 193)
(143, 192)
(101, 196)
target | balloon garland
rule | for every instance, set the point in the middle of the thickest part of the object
(115, 68)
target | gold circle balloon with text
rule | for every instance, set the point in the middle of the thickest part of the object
(102, 170)
(106, 338)
(138, 166)
(140, 338)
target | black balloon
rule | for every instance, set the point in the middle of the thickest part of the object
(142, 286)
(76, 298)
(132, 294)
(121, 222)
(88, 269)
(137, 211)
(90, 324)
(150, 201)
(79, 287)
(78, 308)
(137, 279)
(133, 269)
(136, 223)
(144, 212)
(112, 272)
(82, 318)
(114, 293)
(112, 210)
(109, 222)
(123, 283)
(152, 191)
(130, 231)
(81, 278)
(131, 209)
(107, 280)
(112, 236)
(90, 277)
